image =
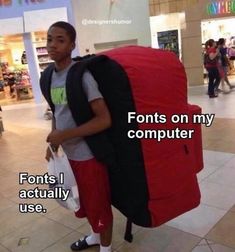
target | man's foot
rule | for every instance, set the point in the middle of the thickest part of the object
(82, 244)
(213, 96)
(218, 90)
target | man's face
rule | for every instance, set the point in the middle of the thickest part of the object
(59, 44)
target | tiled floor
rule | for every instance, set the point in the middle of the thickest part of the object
(209, 227)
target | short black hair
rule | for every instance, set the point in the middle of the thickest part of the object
(209, 43)
(67, 27)
(221, 41)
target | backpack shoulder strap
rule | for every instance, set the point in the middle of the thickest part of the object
(45, 84)
(82, 112)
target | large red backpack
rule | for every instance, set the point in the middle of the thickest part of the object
(151, 181)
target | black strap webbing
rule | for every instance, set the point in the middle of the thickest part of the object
(128, 235)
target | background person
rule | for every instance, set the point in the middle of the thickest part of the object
(211, 65)
(224, 63)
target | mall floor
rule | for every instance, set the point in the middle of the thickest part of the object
(209, 227)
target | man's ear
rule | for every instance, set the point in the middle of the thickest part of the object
(73, 46)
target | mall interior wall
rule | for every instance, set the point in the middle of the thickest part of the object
(135, 13)
(192, 46)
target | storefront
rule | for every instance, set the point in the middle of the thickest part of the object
(196, 22)
(204, 20)
(23, 54)
(15, 79)
(221, 28)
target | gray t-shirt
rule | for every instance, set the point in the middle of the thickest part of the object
(76, 148)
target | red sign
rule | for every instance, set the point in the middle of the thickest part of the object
(7, 3)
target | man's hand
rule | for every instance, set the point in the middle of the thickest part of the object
(49, 154)
(56, 137)
(100, 122)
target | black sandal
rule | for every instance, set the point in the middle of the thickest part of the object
(81, 244)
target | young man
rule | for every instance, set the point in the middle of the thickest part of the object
(91, 175)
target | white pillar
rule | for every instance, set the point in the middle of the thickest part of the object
(34, 70)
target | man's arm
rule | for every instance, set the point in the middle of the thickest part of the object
(100, 122)
(54, 147)
(53, 127)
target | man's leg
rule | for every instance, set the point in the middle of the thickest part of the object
(106, 236)
(92, 179)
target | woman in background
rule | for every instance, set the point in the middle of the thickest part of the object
(211, 65)
(224, 63)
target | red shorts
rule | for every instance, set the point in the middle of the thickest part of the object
(94, 193)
